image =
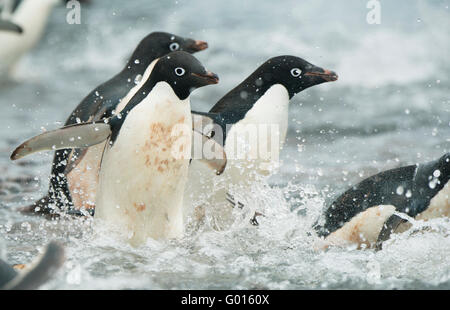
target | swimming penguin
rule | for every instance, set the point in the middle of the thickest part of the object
(6, 25)
(368, 213)
(37, 274)
(31, 16)
(145, 162)
(246, 114)
(74, 175)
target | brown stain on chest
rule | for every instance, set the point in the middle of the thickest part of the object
(139, 206)
(161, 140)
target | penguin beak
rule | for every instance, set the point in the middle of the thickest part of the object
(208, 77)
(9, 26)
(326, 75)
(196, 46)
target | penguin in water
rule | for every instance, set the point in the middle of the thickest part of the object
(36, 275)
(145, 162)
(6, 25)
(31, 16)
(244, 116)
(369, 212)
(74, 174)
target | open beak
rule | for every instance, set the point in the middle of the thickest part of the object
(327, 75)
(209, 77)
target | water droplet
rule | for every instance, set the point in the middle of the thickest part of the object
(408, 194)
(138, 79)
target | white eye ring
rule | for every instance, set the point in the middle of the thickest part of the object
(179, 71)
(296, 72)
(174, 46)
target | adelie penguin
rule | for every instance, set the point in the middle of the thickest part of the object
(145, 162)
(74, 174)
(369, 212)
(30, 18)
(253, 122)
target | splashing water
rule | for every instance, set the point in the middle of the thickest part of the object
(339, 134)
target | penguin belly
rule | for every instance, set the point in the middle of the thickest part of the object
(439, 205)
(365, 227)
(83, 178)
(142, 178)
(267, 123)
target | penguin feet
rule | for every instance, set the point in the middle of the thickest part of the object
(254, 221)
(230, 199)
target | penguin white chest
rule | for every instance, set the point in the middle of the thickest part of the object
(83, 179)
(259, 136)
(143, 174)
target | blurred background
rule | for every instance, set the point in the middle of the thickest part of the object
(389, 108)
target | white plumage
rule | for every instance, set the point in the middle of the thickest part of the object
(205, 194)
(32, 16)
(141, 183)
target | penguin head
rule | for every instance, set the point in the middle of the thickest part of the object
(294, 73)
(158, 44)
(183, 72)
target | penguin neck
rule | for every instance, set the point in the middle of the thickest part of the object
(138, 64)
(269, 104)
(234, 106)
(151, 85)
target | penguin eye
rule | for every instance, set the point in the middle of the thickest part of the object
(296, 72)
(174, 46)
(179, 71)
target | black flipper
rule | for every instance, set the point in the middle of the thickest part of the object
(46, 267)
(389, 227)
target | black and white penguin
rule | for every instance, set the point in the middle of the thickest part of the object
(145, 162)
(74, 175)
(370, 211)
(37, 274)
(246, 115)
(32, 17)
